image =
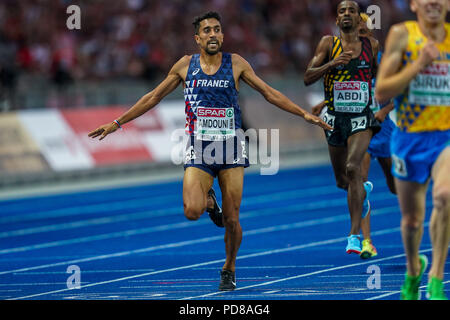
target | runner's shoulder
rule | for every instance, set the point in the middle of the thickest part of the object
(327, 40)
(399, 30)
(236, 58)
(398, 37)
(180, 67)
(184, 61)
(239, 62)
(326, 43)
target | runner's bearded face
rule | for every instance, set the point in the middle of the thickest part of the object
(348, 16)
(432, 11)
(210, 36)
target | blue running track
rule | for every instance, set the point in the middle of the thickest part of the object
(135, 243)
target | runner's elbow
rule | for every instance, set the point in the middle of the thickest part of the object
(270, 95)
(308, 80)
(382, 95)
(154, 99)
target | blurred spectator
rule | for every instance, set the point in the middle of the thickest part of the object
(144, 38)
(8, 72)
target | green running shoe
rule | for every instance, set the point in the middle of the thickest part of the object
(410, 288)
(435, 289)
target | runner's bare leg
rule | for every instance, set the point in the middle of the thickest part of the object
(231, 183)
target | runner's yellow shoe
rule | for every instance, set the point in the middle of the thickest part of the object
(368, 249)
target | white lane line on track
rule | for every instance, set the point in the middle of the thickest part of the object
(398, 292)
(341, 201)
(300, 224)
(140, 197)
(80, 224)
(142, 204)
(188, 242)
(370, 261)
(86, 209)
(258, 254)
(173, 226)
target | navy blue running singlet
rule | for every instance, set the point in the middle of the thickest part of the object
(212, 110)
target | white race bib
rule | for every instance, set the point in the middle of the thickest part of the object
(375, 106)
(327, 118)
(431, 87)
(215, 124)
(351, 96)
(359, 123)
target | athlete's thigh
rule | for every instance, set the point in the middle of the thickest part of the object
(440, 172)
(357, 145)
(231, 183)
(196, 184)
(412, 198)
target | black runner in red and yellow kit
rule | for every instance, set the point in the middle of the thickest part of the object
(348, 94)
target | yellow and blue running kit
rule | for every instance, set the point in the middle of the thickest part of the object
(423, 111)
(348, 98)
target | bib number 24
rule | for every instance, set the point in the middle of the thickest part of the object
(359, 123)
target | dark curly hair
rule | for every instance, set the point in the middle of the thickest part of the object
(208, 15)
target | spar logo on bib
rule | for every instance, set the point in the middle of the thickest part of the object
(211, 112)
(351, 85)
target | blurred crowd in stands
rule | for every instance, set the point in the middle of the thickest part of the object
(144, 38)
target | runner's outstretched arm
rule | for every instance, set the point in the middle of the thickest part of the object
(147, 102)
(272, 95)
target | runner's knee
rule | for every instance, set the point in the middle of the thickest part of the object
(193, 212)
(342, 184)
(231, 222)
(412, 223)
(353, 170)
(441, 198)
(230, 206)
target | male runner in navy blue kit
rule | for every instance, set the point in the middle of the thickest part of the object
(211, 86)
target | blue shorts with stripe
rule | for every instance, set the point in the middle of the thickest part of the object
(414, 154)
(214, 156)
(380, 145)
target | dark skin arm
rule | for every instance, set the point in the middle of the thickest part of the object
(383, 112)
(318, 108)
(318, 65)
(273, 96)
(375, 48)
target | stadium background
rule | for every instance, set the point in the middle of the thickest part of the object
(58, 84)
(114, 208)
